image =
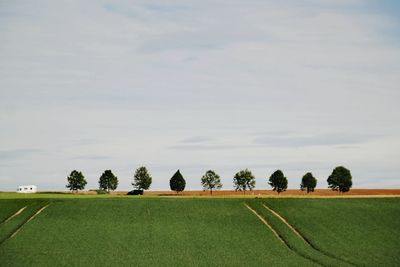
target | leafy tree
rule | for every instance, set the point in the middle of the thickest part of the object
(76, 181)
(142, 179)
(340, 179)
(211, 181)
(278, 181)
(244, 180)
(108, 181)
(308, 182)
(177, 182)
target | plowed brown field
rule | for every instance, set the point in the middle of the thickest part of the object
(288, 193)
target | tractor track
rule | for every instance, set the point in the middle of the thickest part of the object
(15, 226)
(14, 215)
(30, 219)
(295, 231)
(264, 221)
(300, 236)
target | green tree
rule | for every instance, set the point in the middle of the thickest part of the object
(177, 182)
(76, 181)
(340, 179)
(308, 182)
(244, 180)
(142, 179)
(108, 181)
(210, 181)
(278, 181)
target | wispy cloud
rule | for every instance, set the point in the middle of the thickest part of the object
(91, 157)
(18, 153)
(197, 139)
(329, 139)
(203, 147)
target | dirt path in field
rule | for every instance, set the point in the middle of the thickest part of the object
(267, 224)
(15, 214)
(30, 219)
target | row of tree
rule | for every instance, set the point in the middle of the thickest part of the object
(340, 180)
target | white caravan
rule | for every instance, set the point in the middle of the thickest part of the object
(27, 189)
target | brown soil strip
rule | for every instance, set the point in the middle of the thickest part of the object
(15, 214)
(267, 224)
(30, 219)
(357, 192)
(286, 223)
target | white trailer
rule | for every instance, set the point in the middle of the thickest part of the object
(27, 189)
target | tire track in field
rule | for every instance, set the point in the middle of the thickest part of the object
(294, 230)
(287, 224)
(30, 219)
(280, 237)
(14, 215)
(268, 225)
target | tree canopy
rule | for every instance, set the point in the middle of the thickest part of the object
(340, 179)
(177, 183)
(308, 182)
(142, 179)
(278, 181)
(211, 181)
(108, 181)
(76, 181)
(244, 180)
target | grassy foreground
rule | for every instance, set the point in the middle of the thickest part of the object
(199, 232)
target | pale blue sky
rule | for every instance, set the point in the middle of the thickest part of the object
(197, 85)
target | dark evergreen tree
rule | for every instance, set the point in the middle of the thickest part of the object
(177, 183)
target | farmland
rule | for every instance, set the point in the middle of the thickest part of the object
(169, 231)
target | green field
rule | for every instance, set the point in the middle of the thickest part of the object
(140, 231)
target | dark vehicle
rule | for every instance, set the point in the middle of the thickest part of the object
(135, 192)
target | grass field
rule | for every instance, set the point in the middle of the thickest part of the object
(171, 231)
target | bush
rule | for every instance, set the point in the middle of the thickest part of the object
(135, 192)
(101, 191)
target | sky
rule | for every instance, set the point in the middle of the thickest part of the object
(296, 85)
